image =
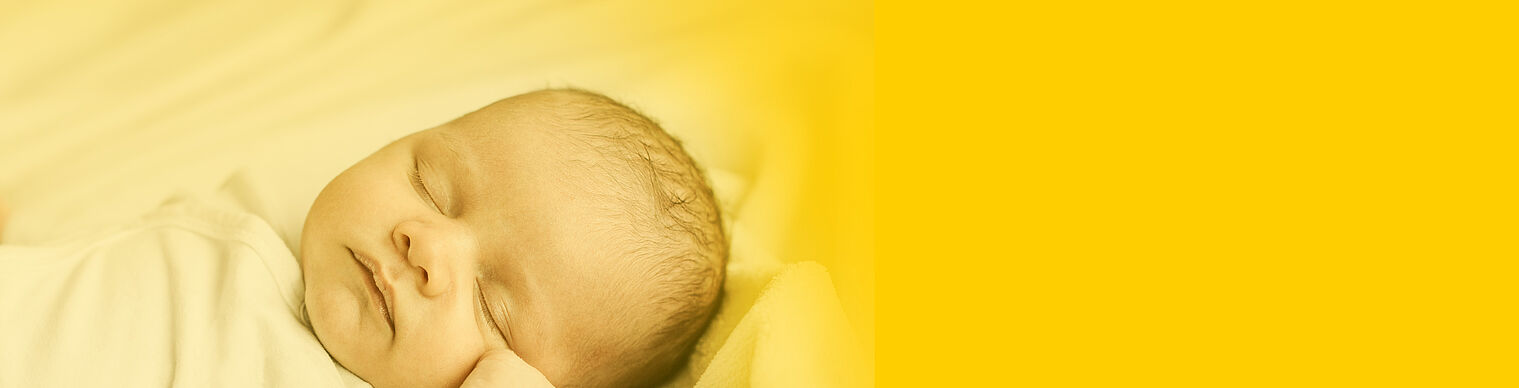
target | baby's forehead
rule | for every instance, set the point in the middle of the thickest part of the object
(501, 136)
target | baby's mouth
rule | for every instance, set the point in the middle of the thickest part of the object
(380, 294)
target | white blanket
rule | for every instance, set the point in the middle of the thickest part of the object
(194, 294)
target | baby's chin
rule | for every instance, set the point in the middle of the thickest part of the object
(336, 322)
(333, 321)
(335, 316)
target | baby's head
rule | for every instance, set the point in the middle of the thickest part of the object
(558, 224)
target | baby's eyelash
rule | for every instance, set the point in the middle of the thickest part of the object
(490, 318)
(416, 179)
(421, 186)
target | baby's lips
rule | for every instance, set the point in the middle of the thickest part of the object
(381, 283)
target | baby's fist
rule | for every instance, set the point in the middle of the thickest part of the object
(501, 368)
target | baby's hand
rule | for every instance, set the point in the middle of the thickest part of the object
(501, 368)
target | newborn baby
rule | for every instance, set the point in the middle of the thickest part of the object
(555, 237)
(556, 226)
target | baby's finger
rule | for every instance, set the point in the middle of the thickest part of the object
(502, 368)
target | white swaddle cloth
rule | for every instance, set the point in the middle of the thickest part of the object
(195, 294)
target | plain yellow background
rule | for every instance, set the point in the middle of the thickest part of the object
(1197, 194)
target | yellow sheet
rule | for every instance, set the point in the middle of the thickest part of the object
(108, 107)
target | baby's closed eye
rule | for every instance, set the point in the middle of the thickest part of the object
(420, 185)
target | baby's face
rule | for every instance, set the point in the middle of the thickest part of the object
(456, 240)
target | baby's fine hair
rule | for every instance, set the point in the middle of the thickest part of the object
(663, 203)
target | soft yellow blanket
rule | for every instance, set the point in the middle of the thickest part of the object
(108, 107)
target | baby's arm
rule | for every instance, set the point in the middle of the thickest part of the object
(501, 368)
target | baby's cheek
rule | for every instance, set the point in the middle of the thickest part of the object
(444, 353)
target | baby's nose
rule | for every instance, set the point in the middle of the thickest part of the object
(436, 254)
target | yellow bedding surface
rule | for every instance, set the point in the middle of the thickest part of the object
(109, 107)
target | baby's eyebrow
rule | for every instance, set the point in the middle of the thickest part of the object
(453, 165)
(451, 143)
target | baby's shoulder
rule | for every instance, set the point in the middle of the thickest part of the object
(214, 219)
